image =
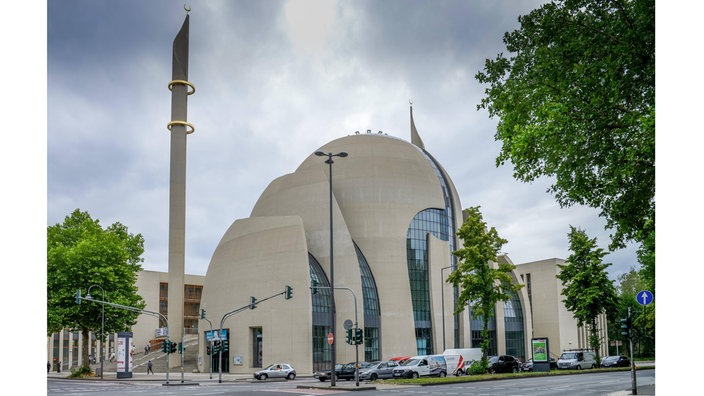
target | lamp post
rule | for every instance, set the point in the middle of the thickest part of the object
(329, 161)
(102, 327)
(442, 298)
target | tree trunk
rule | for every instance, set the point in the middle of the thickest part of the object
(84, 355)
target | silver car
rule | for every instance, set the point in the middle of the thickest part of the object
(277, 370)
(378, 370)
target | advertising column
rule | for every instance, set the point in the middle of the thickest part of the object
(541, 354)
(125, 349)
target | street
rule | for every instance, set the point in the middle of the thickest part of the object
(585, 384)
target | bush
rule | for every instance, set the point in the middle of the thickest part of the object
(83, 371)
(477, 368)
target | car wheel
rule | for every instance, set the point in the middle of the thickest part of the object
(414, 375)
(579, 367)
(321, 379)
(515, 369)
(262, 377)
(443, 374)
(492, 371)
(291, 376)
(459, 373)
(593, 366)
(374, 377)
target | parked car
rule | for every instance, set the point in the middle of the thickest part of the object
(615, 361)
(576, 360)
(422, 366)
(378, 370)
(276, 370)
(342, 371)
(504, 364)
(528, 365)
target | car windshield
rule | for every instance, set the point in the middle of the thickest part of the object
(570, 355)
(410, 362)
(493, 359)
(270, 367)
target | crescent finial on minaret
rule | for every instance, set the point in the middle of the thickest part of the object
(187, 8)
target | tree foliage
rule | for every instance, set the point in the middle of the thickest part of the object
(576, 101)
(80, 254)
(586, 285)
(482, 280)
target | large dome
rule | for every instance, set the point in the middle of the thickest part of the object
(391, 202)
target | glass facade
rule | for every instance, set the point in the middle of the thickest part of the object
(477, 324)
(427, 221)
(513, 323)
(372, 312)
(322, 323)
(441, 223)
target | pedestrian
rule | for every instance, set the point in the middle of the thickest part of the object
(149, 348)
(112, 356)
(149, 367)
(48, 366)
(58, 366)
(146, 350)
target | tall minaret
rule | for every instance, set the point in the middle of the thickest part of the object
(415, 137)
(180, 89)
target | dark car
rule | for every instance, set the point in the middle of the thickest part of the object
(342, 371)
(504, 364)
(528, 365)
(615, 361)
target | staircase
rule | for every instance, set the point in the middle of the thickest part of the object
(158, 358)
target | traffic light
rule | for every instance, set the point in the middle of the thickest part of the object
(165, 346)
(180, 347)
(252, 302)
(202, 313)
(216, 346)
(358, 336)
(349, 336)
(207, 349)
(172, 347)
(225, 345)
(77, 296)
(626, 327)
(288, 294)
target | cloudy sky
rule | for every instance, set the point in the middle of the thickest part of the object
(275, 80)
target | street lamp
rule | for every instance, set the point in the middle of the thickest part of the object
(442, 298)
(102, 327)
(329, 161)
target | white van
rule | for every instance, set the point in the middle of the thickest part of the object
(422, 366)
(576, 360)
(459, 360)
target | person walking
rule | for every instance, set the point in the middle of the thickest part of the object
(48, 366)
(149, 368)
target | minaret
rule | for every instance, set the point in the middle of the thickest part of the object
(179, 128)
(415, 137)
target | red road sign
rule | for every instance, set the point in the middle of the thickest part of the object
(330, 338)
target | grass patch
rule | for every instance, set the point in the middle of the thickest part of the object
(493, 377)
(82, 372)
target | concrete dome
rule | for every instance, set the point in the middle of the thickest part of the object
(376, 192)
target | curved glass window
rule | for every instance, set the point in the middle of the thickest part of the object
(372, 316)
(427, 221)
(322, 322)
(476, 325)
(513, 322)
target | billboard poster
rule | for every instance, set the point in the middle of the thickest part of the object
(540, 349)
(121, 354)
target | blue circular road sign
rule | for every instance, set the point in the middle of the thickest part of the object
(644, 297)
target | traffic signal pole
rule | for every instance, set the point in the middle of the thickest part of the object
(253, 302)
(78, 297)
(356, 328)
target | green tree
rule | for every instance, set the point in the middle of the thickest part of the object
(630, 284)
(80, 253)
(576, 102)
(586, 285)
(482, 280)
